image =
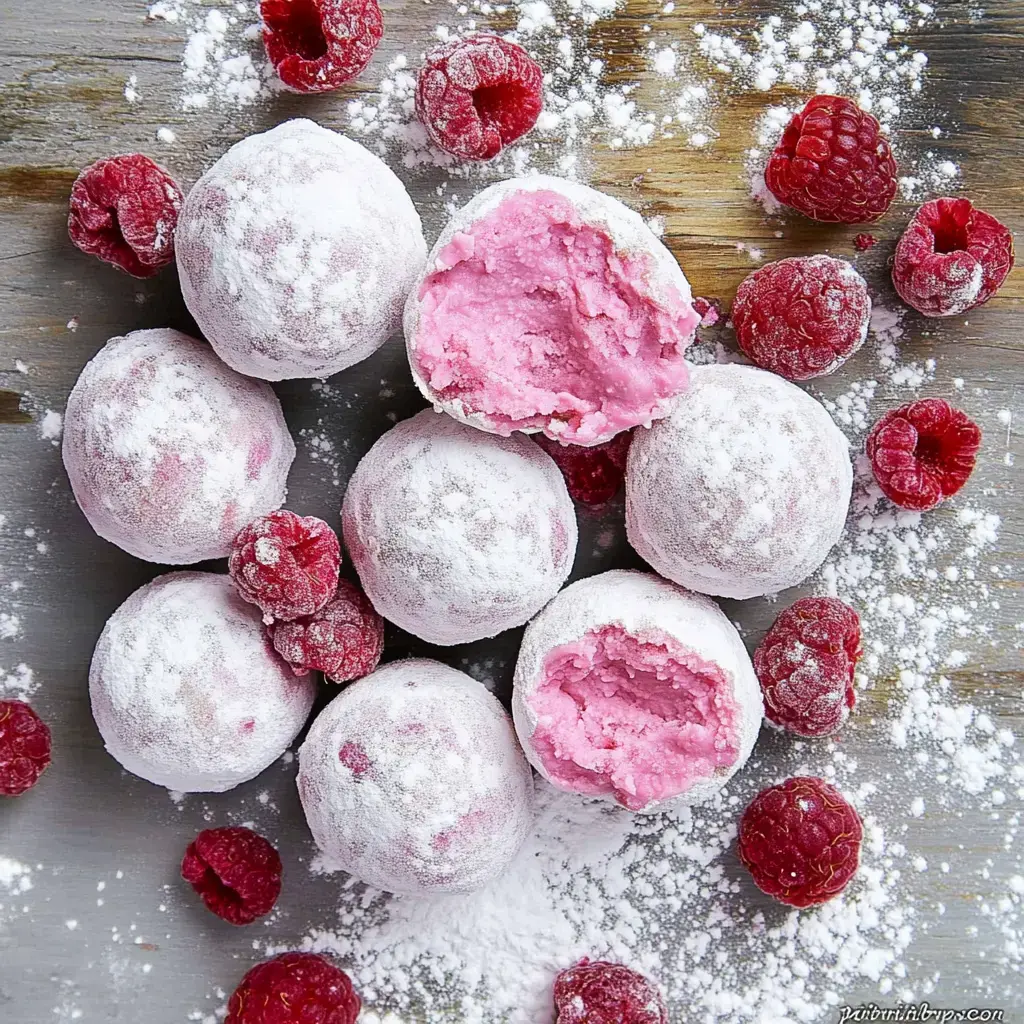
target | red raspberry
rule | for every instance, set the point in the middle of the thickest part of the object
(709, 311)
(236, 871)
(344, 640)
(802, 317)
(864, 242)
(923, 452)
(24, 747)
(800, 841)
(805, 664)
(317, 45)
(951, 258)
(477, 95)
(294, 988)
(599, 992)
(832, 164)
(592, 475)
(125, 210)
(286, 564)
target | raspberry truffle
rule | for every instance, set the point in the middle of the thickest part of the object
(548, 306)
(413, 782)
(630, 688)
(457, 534)
(169, 452)
(296, 252)
(187, 691)
(743, 489)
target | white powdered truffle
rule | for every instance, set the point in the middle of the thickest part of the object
(187, 692)
(457, 534)
(412, 781)
(743, 489)
(296, 252)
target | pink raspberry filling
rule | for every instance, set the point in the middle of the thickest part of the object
(535, 320)
(642, 719)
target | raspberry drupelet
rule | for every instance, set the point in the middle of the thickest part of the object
(318, 45)
(294, 987)
(477, 95)
(833, 164)
(800, 840)
(592, 475)
(802, 317)
(952, 258)
(235, 871)
(24, 747)
(805, 665)
(923, 452)
(124, 209)
(601, 992)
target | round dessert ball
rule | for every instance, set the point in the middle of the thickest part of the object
(548, 306)
(743, 489)
(187, 691)
(630, 688)
(412, 781)
(456, 534)
(296, 252)
(169, 452)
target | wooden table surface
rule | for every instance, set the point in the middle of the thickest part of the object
(63, 68)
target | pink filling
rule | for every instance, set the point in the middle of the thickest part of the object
(536, 321)
(642, 719)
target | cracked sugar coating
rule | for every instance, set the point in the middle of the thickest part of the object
(296, 252)
(187, 691)
(413, 782)
(630, 688)
(546, 305)
(169, 452)
(457, 534)
(743, 489)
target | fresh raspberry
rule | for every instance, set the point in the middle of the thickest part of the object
(286, 564)
(24, 747)
(236, 871)
(923, 452)
(951, 258)
(125, 210)
(832, 164)
(344, 640)
(800, 841)
(802, 317)
(477, 95)
(805, 664)
(709, 311)
(318, 45)
(600, 992)
(294, 988)
(592, 475)
(864, 242)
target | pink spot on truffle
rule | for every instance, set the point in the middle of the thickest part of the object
(355, 759)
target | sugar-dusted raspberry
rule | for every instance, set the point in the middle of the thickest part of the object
(344, 640)
(592, 475)
(923, 452)
(293, 988)
(236, 871)
(863, 242)
(24, 747)
(124, 209)
(802, 317)
(805, 665)
(951, 258)
(286, 564)
(600, 992)
(317, 45)
(800, 840)
(833, 164)
(709, 311)
(477, 95)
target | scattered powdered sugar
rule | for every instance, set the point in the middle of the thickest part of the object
(15, 877)
(19, 683)
(51, 426)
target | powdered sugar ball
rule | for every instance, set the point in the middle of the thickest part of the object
(412, 781)
(456, 534)
(187, 691)
(630, 688)
(296, 251)
(169, 452)
(743, 489)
